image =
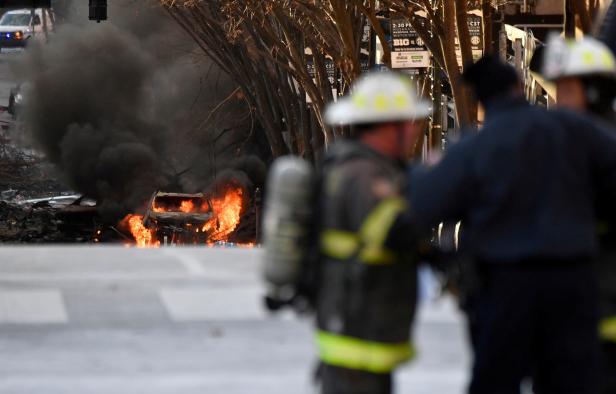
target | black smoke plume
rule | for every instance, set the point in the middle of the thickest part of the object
(86, 106)
(128, 107)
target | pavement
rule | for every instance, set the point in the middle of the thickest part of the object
(176, 320)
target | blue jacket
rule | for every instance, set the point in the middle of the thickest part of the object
(524, 187)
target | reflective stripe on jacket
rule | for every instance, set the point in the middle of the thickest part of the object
(354, 353)
(369, 243)
(367, 292)
(607, 329)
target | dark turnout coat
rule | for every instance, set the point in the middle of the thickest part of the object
(367, 288)
(525, 187)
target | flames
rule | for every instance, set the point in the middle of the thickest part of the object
(144, 237)
(226, 209)
(186, 206)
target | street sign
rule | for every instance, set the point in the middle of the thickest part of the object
(364, 55)
(330, 70)
(475, 29)
(409, 52)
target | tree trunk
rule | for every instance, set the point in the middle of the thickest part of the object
(488, 22)
(378, 29)
(569, 14)
(582, 10)
(464, 38)
(452, 67)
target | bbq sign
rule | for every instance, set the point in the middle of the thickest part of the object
(408, 49)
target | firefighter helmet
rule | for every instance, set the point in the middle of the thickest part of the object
(378, 97)
(582, 58)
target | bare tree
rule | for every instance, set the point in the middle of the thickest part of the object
(281, 53)
(266, 48)
(219, 30)
(581, 14)
(440, 24)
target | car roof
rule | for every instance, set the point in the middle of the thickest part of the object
(24, 11)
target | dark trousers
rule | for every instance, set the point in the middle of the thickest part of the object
(606, 272)
(536, 320)
(608, 350)
(336, 380)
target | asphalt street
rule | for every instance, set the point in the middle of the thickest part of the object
(175, 320)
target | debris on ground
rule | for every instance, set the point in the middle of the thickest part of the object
(40, 223)
(37, 207)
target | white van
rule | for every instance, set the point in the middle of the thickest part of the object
(18, 27)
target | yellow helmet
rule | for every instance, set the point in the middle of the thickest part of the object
(378, 97)
(577, 58)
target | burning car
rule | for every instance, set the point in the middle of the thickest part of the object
(190, 219)
(178, 218)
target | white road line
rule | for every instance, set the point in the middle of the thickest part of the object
(32, 307)
(192, 265)
(167, 382)
(211, 273)
(14, 277)
(212, 304)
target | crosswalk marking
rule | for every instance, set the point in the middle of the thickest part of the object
(94, 277)
(192, 265)
(212, 304)
(32, 307)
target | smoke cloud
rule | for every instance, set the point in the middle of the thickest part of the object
(126, 107)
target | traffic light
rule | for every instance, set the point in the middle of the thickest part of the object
(25, 3)
(98, 10)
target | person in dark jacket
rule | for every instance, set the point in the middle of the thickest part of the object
(589, 87)
(524, 188)
(367, 283)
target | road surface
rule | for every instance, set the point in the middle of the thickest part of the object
(175, 320)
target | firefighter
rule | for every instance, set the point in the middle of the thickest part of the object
(524, 188)
(584, 72)
(367, 282)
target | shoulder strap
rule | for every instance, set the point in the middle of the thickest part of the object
(308, 281)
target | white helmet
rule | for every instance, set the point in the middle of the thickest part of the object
(378, 97)
(570, 58)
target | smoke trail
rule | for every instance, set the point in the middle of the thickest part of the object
(87, 101)
(119, 108)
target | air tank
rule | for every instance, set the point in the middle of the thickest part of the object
(286, 222)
